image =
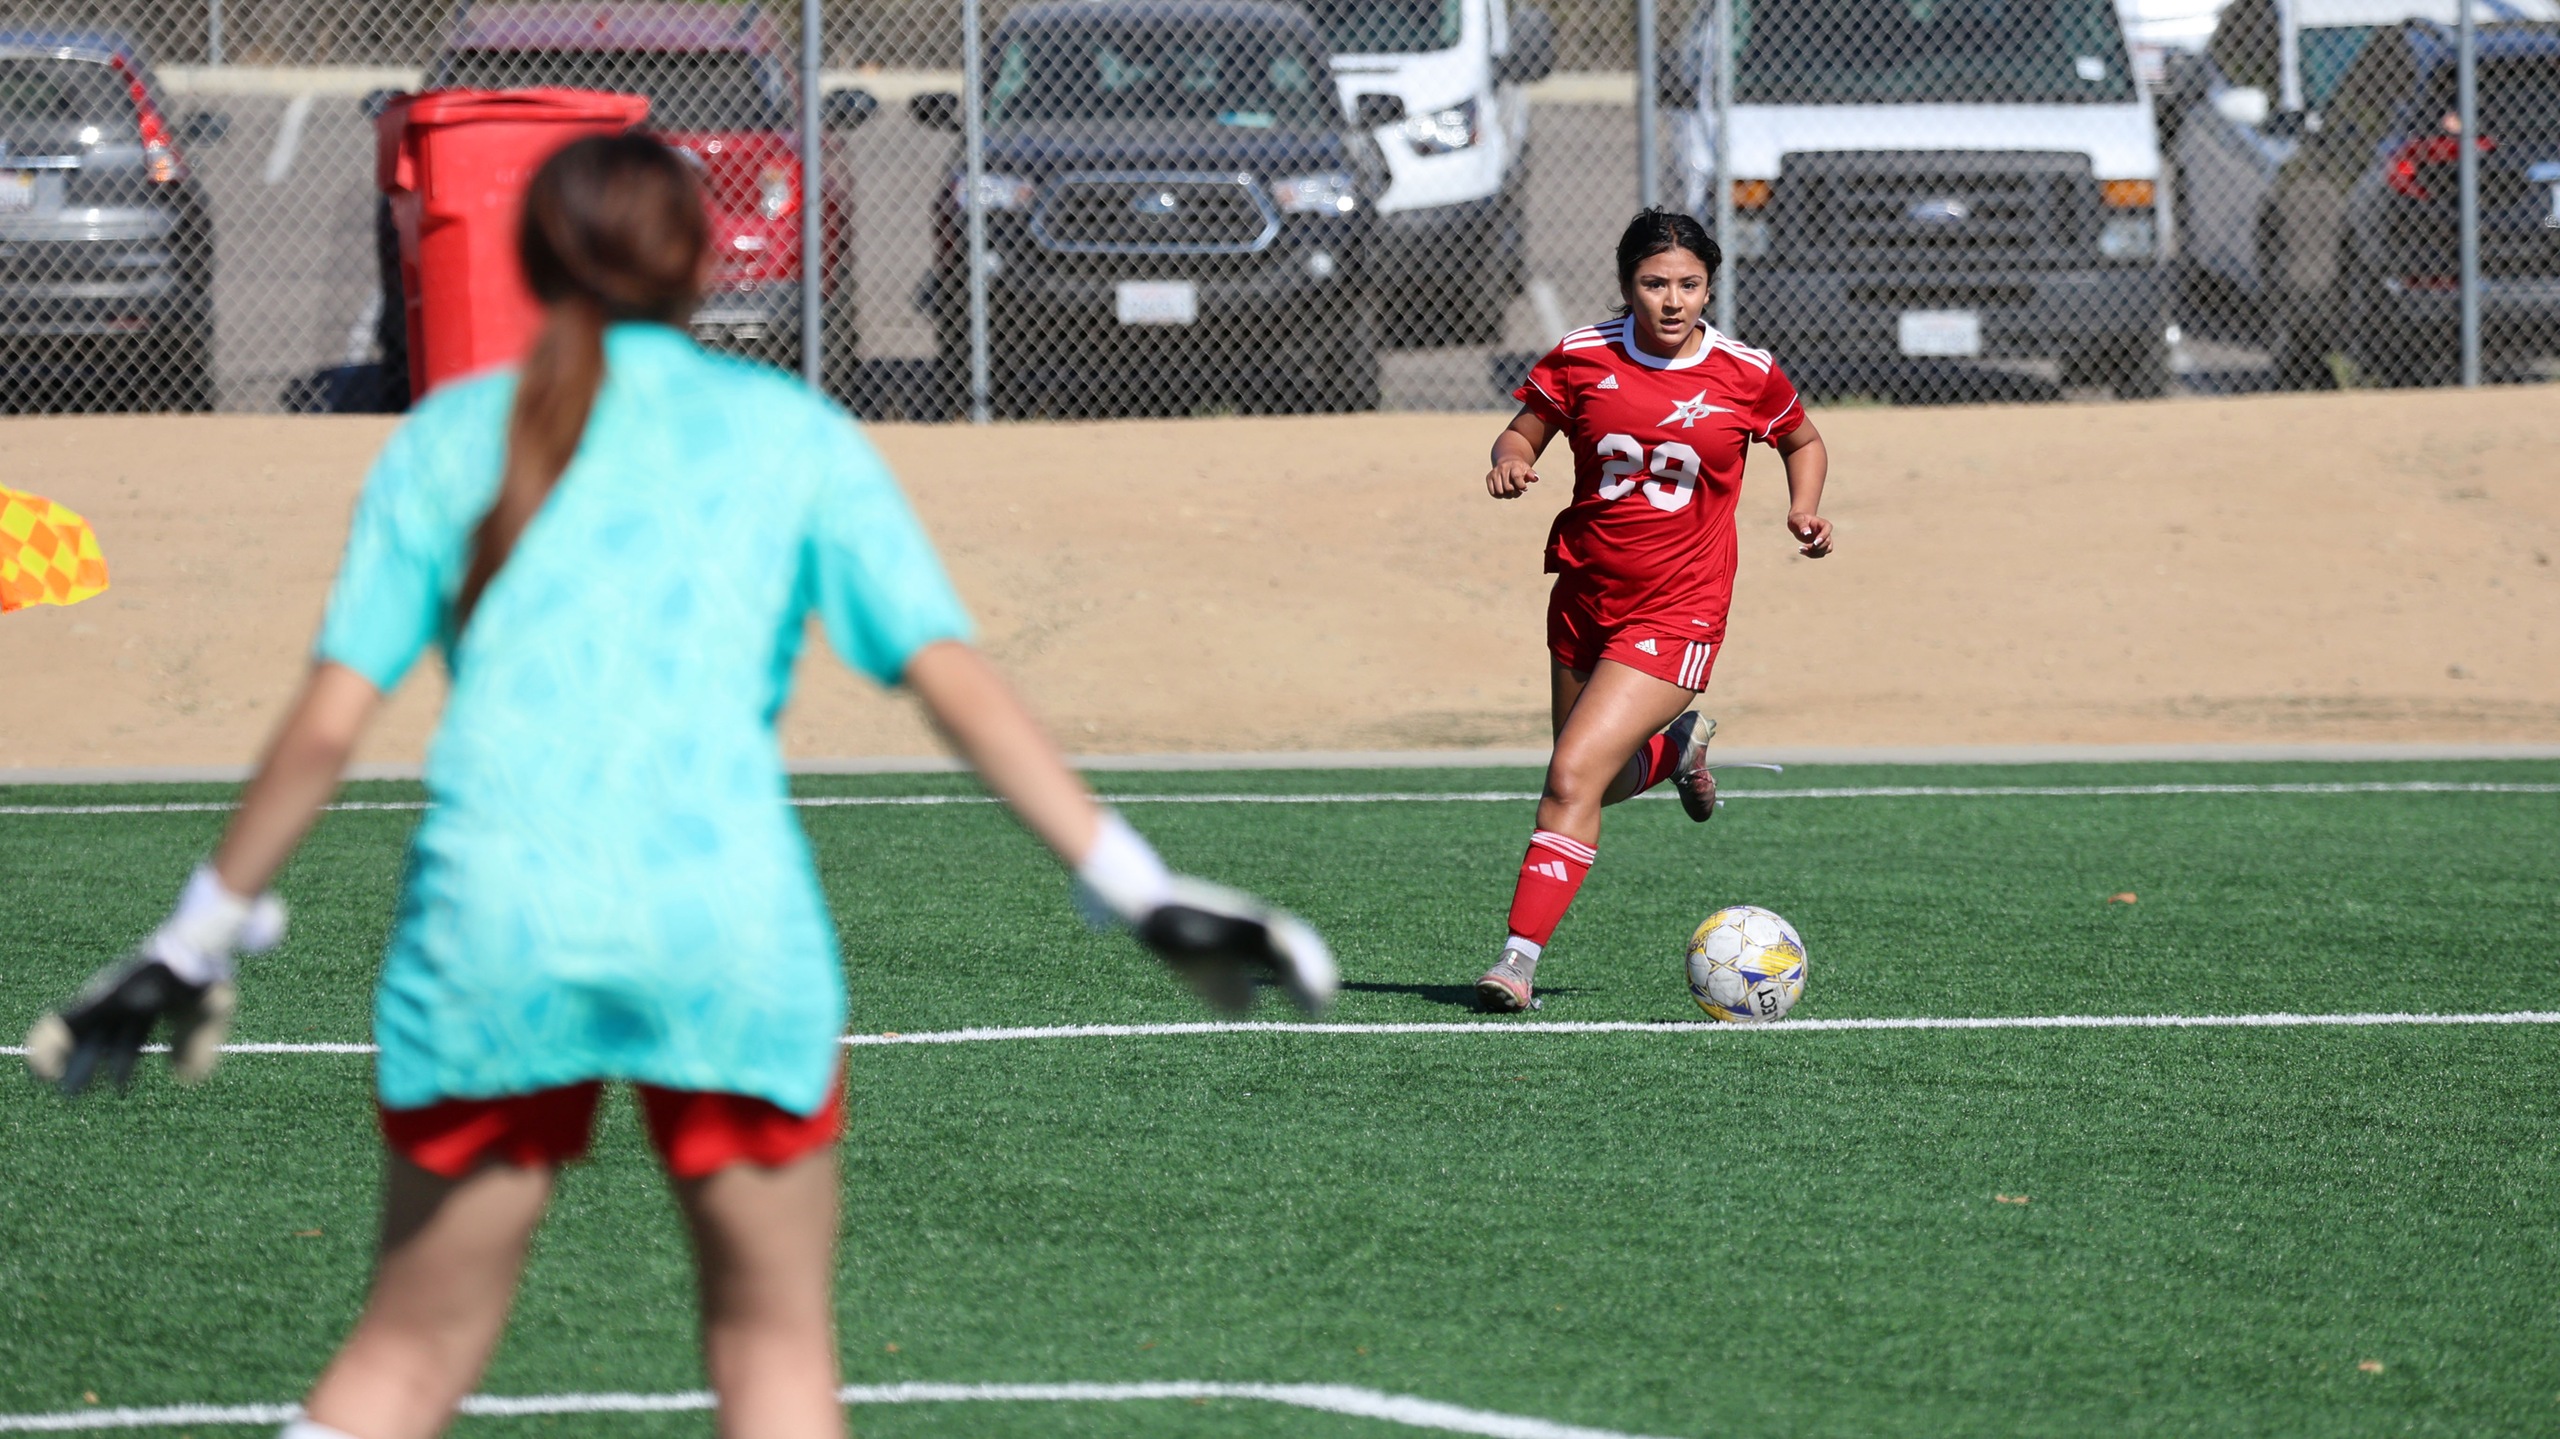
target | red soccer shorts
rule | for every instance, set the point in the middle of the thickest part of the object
(695, 1133)
(1675, 651)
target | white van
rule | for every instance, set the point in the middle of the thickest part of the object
(1938, 178)
(1451, 250)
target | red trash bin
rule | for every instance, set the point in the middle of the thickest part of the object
(455, 164)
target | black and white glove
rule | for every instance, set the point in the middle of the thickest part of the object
(180, 976)
(1218, 940)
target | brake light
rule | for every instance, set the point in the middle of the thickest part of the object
(160, 157)
(2426, 153)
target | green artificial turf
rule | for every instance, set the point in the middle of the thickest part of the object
(1703, 1233)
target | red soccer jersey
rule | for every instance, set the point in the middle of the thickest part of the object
(1657, 469)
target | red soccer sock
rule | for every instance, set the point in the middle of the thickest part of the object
(1550, 876)
(1654, 761)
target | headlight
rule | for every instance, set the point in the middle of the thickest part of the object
(2128, 237)
(1443, 131)
(1750, 238)
(995, 192)
(773, 191)
(1331, 193)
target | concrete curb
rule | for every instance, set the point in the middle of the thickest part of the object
(890, 87)
(1476, 759)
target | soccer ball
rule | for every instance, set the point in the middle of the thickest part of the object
(1746, 965)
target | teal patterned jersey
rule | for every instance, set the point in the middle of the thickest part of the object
(608, 882)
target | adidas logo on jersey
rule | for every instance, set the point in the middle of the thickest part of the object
(1553, 869)
(1609, 383)
(1648, 646)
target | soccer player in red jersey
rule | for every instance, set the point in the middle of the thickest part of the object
(1658, 409)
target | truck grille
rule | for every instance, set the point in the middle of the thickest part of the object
(1894, 208)
(1154, 214)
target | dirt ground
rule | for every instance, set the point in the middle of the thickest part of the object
(2350, 567)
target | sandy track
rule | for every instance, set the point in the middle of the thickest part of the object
(2307, 568)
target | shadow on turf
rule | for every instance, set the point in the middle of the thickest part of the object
(1456, 996)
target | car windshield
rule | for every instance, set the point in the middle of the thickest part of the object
(687, 89)
(1237, 77)
(1387, 27)
(2519, 95)
(49, 104)
(1904, 52)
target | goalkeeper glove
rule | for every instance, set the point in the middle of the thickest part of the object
(180, 976)
(1218, 940)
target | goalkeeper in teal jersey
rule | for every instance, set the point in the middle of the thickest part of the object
(617, 549)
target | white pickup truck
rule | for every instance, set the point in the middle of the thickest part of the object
(1937, 179)
(1450, 250)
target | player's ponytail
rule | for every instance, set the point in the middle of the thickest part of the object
(1655, 231)
(613, 230)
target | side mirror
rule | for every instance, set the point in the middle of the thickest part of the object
(2247, 106)
(375, 102)
(845, 109)
(205, 127)
(1532, 56)
(1373, 112)
(935, 110)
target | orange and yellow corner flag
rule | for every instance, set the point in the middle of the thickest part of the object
(48, 556)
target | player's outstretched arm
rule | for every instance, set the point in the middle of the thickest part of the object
(1808, 463)
(1218, 940)
(1515, 455)
(181, 975)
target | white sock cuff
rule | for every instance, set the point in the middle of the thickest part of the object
(1529, 947)
(1124, 871)
(1563, 844)
(311, 1429)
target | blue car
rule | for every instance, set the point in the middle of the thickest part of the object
(2354, 250)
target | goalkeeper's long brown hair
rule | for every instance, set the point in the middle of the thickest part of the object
(613, 230)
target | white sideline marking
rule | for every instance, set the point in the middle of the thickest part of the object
(1405, 1409)
(297, 112)
(1480, 796)
(990, 1035)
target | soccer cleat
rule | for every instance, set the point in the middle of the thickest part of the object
(1511, 985)
(1695, 782)
(111, 1020)
(1221, 940)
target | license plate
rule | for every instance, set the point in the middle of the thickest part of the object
(1941, 332)
(1156, 302)
(17, 190)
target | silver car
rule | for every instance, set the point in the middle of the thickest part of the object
(106, 246)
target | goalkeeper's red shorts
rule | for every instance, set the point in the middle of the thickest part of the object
(695, 1133)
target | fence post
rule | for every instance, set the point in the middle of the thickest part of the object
(1720, 82)
(213, 32)
(813, 198)
(2467, 145)
(973, 140)
(1648, 145)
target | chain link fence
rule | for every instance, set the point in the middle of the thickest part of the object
(1203, 206)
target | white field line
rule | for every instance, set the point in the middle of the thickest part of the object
(1702, 1028)
(1404, 1409)
(1480, 796)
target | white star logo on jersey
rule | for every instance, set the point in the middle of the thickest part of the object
(1610, 383)
(1690, 411)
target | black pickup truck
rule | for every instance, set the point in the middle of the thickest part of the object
(1178, 213)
